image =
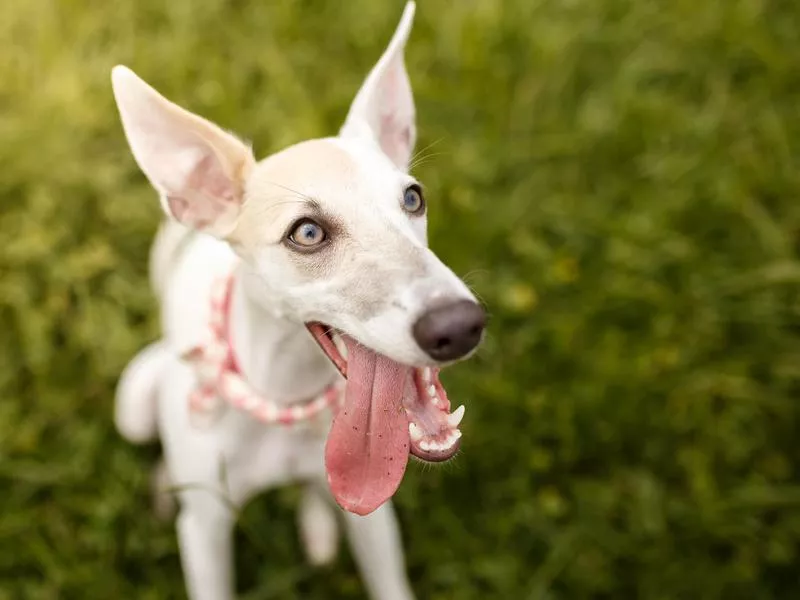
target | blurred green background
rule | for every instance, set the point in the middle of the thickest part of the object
(617, 179)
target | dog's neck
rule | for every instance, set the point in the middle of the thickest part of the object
(279, 358)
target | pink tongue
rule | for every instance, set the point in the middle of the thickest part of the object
(367, 449)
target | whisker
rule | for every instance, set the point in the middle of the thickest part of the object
(266, 207)
(469, 274)
(293, 191)
(421, 150)
(465, 279)
(418, 157)
(423, 159)
(477, 294)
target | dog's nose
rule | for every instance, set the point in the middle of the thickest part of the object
(451, 331)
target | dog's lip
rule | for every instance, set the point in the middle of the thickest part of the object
(323, 334)
(436, 456)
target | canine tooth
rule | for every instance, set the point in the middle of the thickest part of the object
(432, 391)
(456, 434)
(454, 418)
(426, 374)
(415, 432)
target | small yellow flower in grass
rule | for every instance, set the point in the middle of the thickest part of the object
(540, 460)
(565, 270)
(666, 357)
(520, 297)
(551, 502)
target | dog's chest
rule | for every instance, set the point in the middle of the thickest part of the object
(274, 456)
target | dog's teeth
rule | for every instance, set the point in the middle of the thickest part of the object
(426, 374)
(451, 440)
(425, 445)
(454, 418)
(415, 432)
(432, 391)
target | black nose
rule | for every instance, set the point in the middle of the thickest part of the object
(451, 331)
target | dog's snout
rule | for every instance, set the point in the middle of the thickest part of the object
(450, 331)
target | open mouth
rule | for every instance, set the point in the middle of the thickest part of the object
(391, 410)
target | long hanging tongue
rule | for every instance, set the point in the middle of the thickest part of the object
(367, 449)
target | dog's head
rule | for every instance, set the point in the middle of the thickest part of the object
(334, 232)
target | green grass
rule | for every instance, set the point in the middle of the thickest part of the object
(617, 179)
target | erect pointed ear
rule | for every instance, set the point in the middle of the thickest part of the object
(198, 169)
(383, 109)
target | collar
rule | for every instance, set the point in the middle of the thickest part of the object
(221, 384)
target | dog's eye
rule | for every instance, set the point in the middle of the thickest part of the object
(413, 203)
(307, 233)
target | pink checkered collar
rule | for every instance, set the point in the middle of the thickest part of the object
(220, 379)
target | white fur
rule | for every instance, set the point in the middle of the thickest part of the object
(135, 414)
(372, 283)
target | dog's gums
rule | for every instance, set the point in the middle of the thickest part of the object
(432, 428)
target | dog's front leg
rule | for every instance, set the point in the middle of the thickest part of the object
(377, 548)
(205, 529)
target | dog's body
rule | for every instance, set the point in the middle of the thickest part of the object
(371, 278)
(220, 468)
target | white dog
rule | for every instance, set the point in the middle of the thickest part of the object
(276, 279)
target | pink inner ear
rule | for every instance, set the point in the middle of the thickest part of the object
(209, 178)
(207, 194)
(178, 207)
(396, 112)
(395, 138)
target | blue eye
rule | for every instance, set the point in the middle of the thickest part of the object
(412, 200)
(307, 234)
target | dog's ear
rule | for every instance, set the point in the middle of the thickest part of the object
(198, 169)
(383, 109)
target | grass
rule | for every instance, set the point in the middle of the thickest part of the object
(617, 179)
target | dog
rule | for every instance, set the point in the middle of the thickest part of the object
(305, 321)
